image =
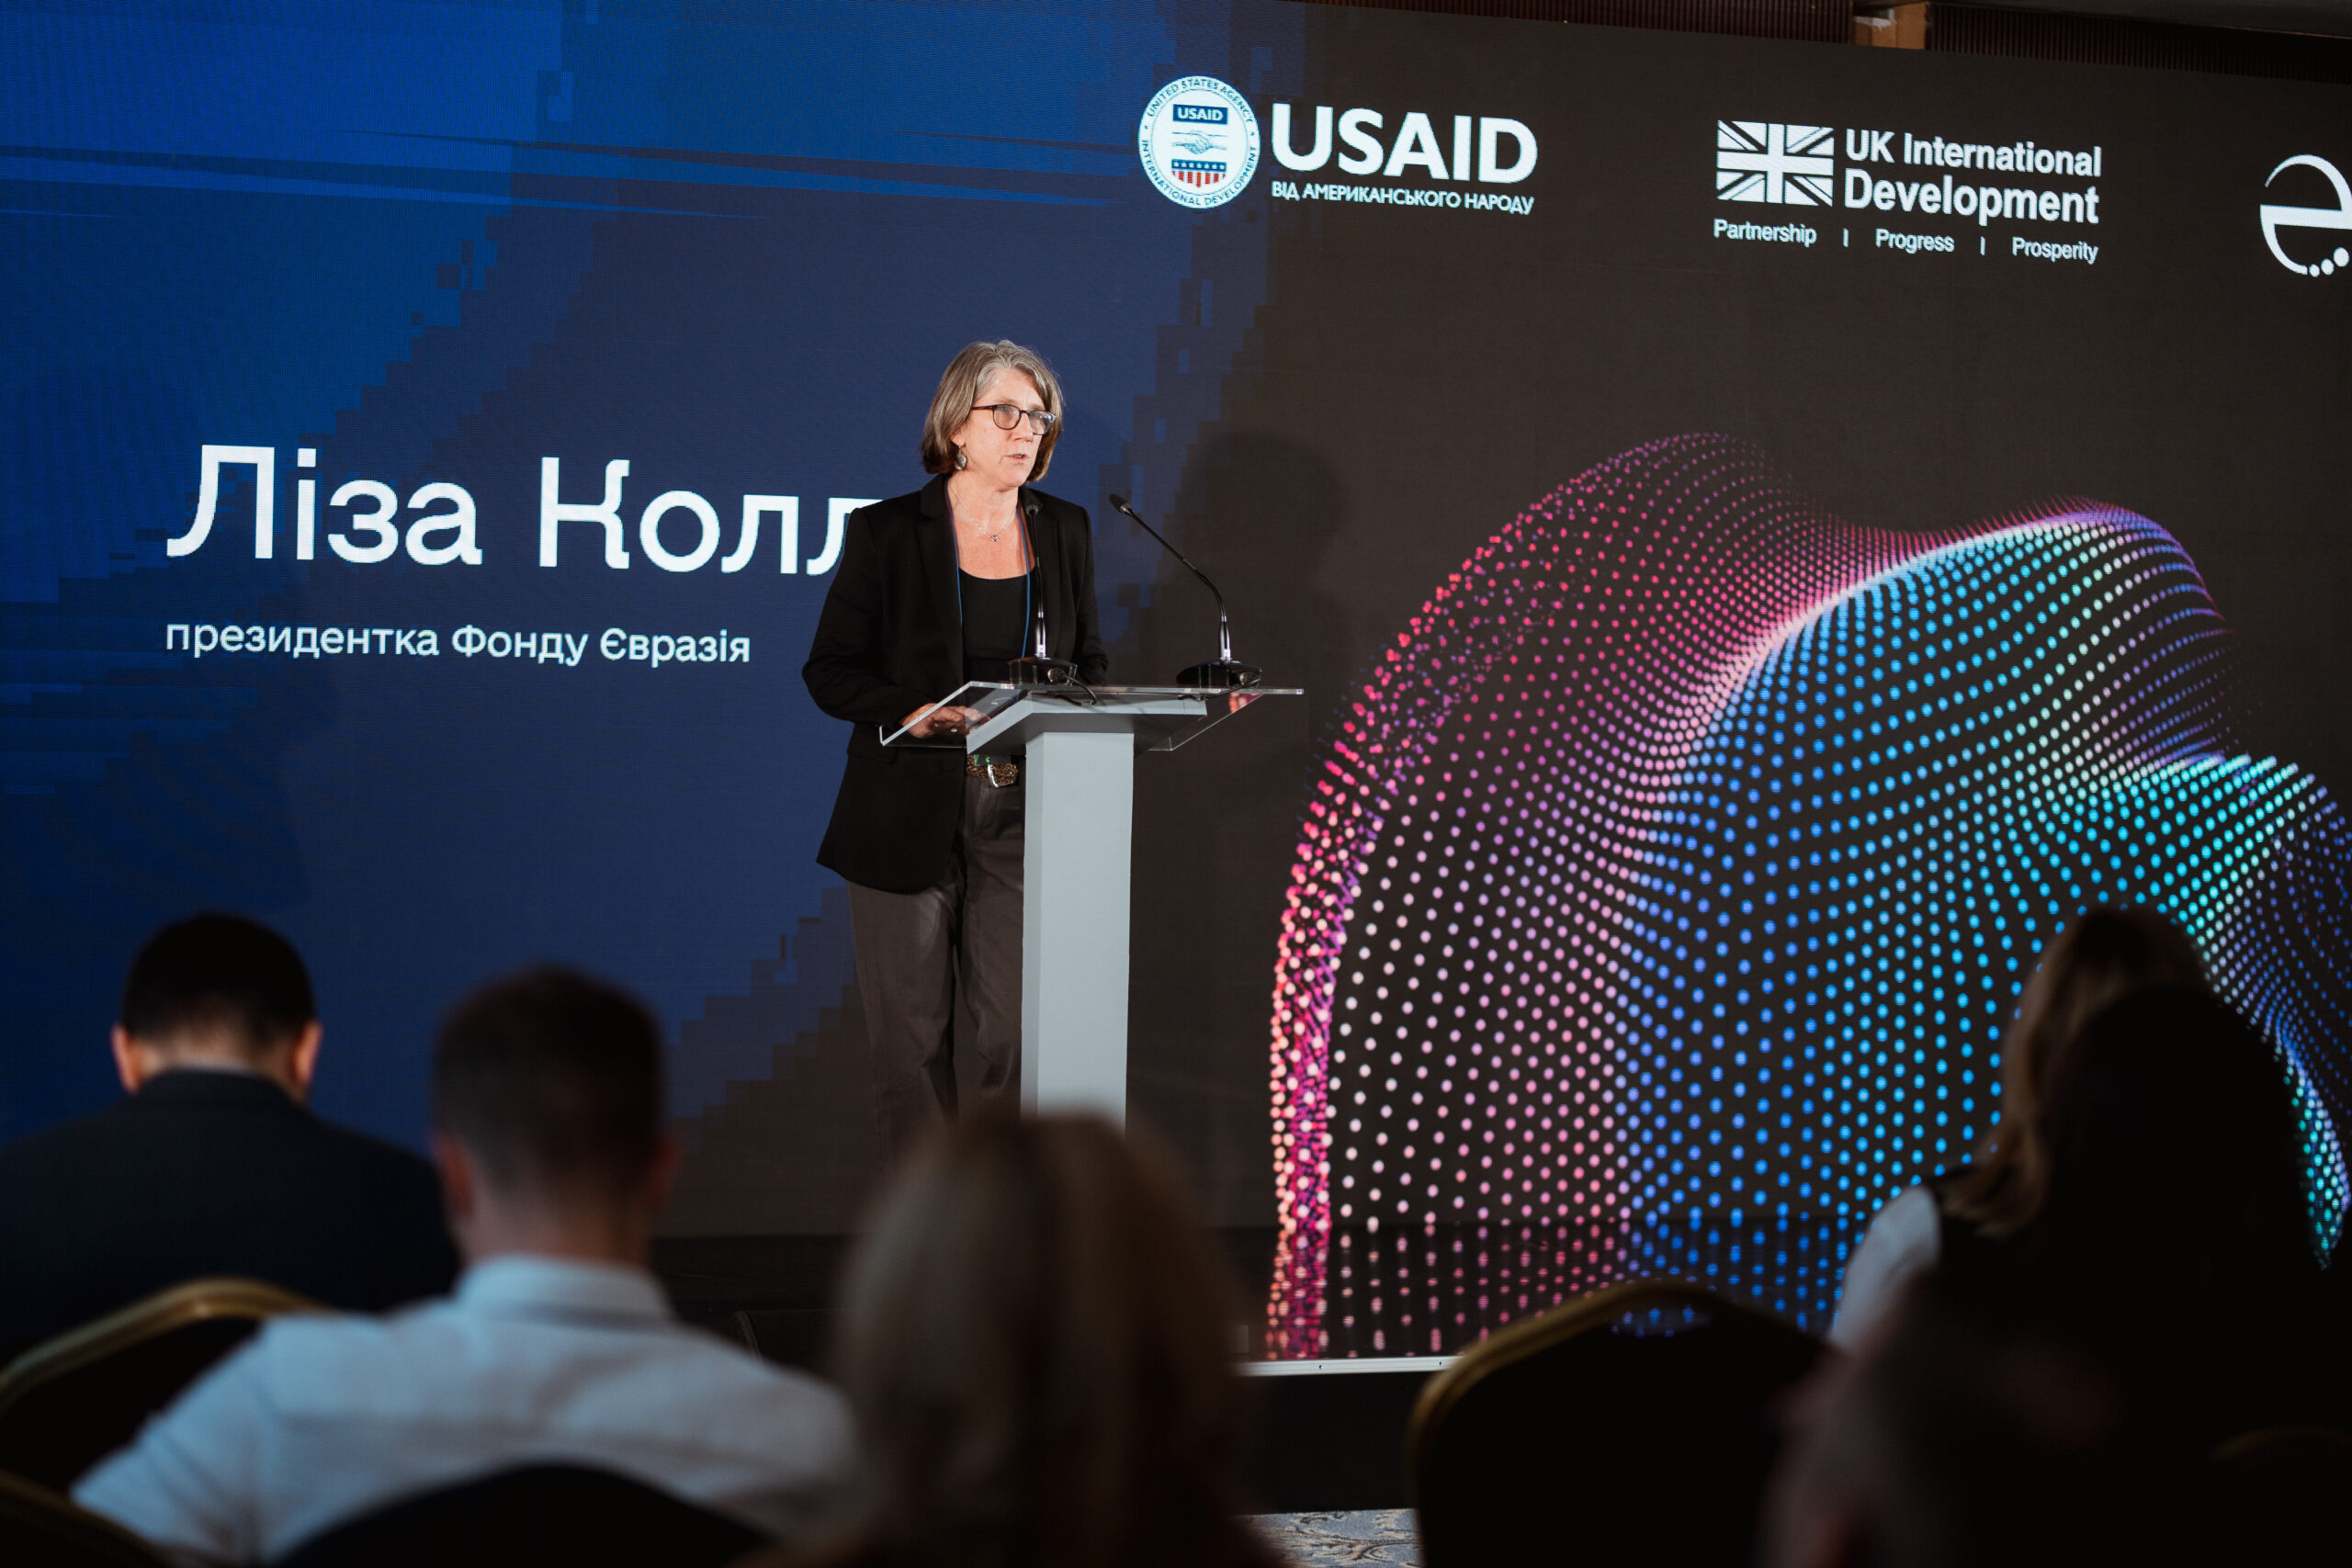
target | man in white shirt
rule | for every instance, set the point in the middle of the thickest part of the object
(558, 1347)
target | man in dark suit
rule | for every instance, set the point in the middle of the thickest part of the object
(558, 1348)
(212, 1165)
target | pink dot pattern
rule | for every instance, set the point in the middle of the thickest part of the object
(1663, 892)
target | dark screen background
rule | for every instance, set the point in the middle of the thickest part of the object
(735, 246)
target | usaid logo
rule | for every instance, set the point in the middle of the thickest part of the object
(1198, 141)
(2337, 217)
(1505, 148)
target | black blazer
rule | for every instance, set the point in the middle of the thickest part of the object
(890, 639)
(209, 1173)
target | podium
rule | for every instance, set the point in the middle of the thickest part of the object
(1078, 826)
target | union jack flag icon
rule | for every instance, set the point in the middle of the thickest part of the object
(1791, 165)
(1196, 171)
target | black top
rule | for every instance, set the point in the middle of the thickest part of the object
(890, 640)
(1961, 1248)
(202, 1174)
(996, 615)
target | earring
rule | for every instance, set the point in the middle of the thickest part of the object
(960, 460)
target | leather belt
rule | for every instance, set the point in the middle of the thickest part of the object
(1000, 772)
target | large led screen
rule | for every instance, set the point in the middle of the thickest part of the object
(1768, 531)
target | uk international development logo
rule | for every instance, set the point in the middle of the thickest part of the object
(2338, 218)
(1198, 141)
(1792, 166)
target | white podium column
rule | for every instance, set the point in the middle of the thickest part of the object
(1077, 831)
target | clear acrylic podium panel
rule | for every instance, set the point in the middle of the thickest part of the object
(1162, 719)
(1079, 745)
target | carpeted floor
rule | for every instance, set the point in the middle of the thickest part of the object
(1333, 1540)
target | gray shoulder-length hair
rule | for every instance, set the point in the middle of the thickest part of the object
(966, 382)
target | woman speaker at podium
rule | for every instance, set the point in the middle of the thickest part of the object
(936, 589)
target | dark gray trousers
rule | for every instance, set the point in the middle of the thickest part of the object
(943, 962)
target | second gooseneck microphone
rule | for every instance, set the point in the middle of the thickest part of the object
(1220, 673)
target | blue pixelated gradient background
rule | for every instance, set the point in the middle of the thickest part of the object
(731, 245)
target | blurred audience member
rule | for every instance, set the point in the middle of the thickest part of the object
(212, 1165)
(2174, 1231)
(558, 1348)
(2106, 954)
(1038, 1346)
(2117, 1379)
(1965, 1436)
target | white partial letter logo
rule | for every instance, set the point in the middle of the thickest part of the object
(2337, 217)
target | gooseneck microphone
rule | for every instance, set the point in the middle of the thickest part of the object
(1038, 668)
(1220, 673)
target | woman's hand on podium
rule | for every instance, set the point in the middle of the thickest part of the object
(940, 720)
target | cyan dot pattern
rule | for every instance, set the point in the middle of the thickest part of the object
(1663, 894)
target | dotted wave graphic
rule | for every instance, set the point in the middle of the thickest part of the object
(1674, 873)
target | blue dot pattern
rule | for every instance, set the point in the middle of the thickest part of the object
(1661, 900)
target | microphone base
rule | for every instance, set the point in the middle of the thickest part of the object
(1221, 674)
(1040, 672)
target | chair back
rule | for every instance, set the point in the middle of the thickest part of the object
(41, 1528)
(1634, 1425)
(68, 1403)
(790, 1337)
(2278, 1494)
(573, 1515)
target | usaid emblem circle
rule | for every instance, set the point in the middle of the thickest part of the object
(1198, 141)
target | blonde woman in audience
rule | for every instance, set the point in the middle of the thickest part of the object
(2102, 957)
(1037, 1348)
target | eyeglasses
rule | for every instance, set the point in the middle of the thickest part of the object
(1008, 415)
